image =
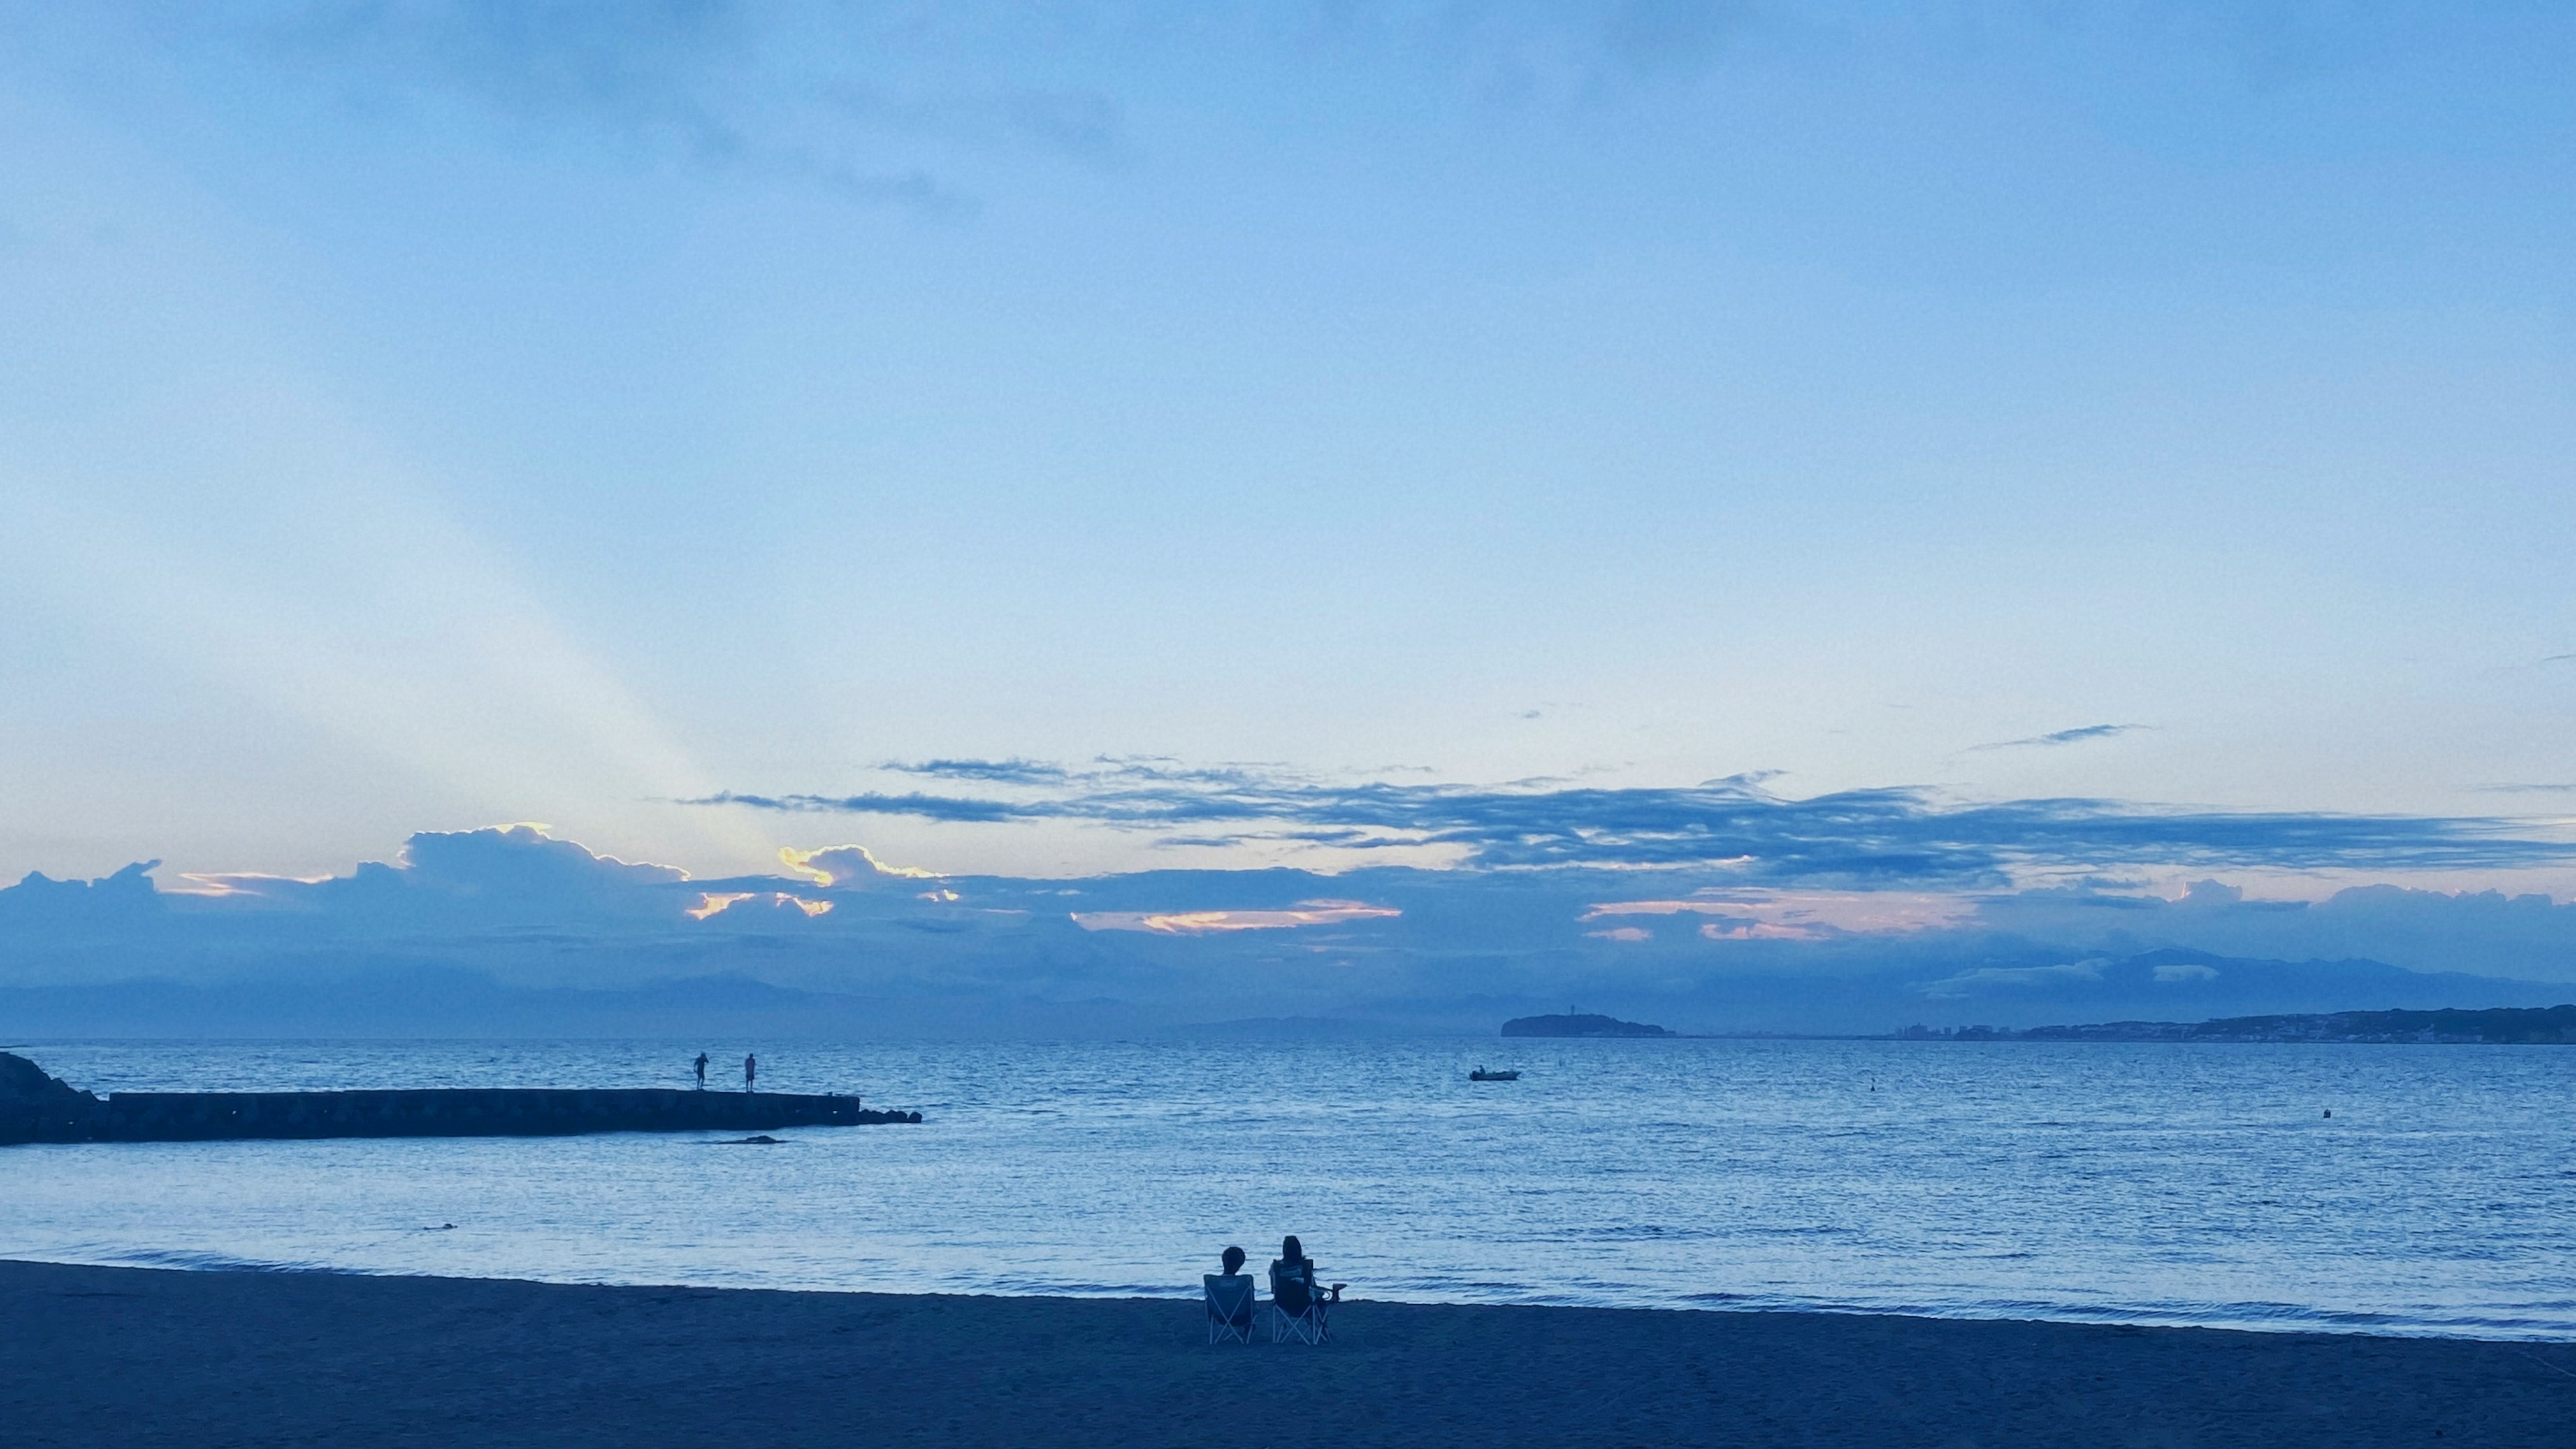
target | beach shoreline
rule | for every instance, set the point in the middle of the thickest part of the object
(100, 1355)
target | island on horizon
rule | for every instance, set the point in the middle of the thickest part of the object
(1579, 1024)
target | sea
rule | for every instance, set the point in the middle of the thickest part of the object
(2416, 1189)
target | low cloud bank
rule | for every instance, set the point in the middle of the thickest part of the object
(845, 944)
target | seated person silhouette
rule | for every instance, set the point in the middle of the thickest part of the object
(1229, 1299)
(1292, 1280)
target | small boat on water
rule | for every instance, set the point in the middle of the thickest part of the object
(1481, 1075)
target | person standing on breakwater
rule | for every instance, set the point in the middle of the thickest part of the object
(702, 1071)
(750, 1070)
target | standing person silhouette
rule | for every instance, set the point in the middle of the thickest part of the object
(702, 1071)
(750, 1070)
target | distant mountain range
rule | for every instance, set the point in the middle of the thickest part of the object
(2008, 988)
(2550, 1025)
(511, 933)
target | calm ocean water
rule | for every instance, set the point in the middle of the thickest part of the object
(2147, 1184)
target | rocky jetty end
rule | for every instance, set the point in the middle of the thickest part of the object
(36, 1107)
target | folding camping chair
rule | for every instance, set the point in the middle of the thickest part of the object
(1229, 1306)
(1297, 1310)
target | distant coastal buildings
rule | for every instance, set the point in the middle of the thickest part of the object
(2552, 1025)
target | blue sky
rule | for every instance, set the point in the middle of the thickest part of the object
(421, 416)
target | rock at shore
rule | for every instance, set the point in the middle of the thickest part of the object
(1579, 1024)
(35, 1107)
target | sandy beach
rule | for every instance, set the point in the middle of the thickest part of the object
(116, 1356)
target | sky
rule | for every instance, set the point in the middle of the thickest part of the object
(2072, 442)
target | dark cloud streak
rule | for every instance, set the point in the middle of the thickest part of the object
(1858, 837)
(2074, 736)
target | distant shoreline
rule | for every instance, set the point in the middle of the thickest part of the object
(2493, 1026)
(2496, 1026)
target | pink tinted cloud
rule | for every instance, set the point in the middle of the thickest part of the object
(712, 904)
(1199, 923)
(1756, 915)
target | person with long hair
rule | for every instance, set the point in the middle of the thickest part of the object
(1292, 1279)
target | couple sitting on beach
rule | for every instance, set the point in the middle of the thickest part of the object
(1298, 1303)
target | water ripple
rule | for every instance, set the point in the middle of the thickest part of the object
(2158, 1184)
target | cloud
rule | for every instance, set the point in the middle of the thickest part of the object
(2482, 931)
(915, 189)
(2074, 736)
(1445, 949)
(1653, 38)
(726, 86)
(1000, 772)
(715, 903)
(1553, 57)
(1088, 125)
(653, 66)
(1757, 931)
(1801, 915)
(40, 898)
(2014, 977)
(848, 866)
(520, 858)
(1872, 839)
(1196, 923)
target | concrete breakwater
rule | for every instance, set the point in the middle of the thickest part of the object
(35, 1107)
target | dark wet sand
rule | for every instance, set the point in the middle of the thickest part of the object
(114, 1356)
